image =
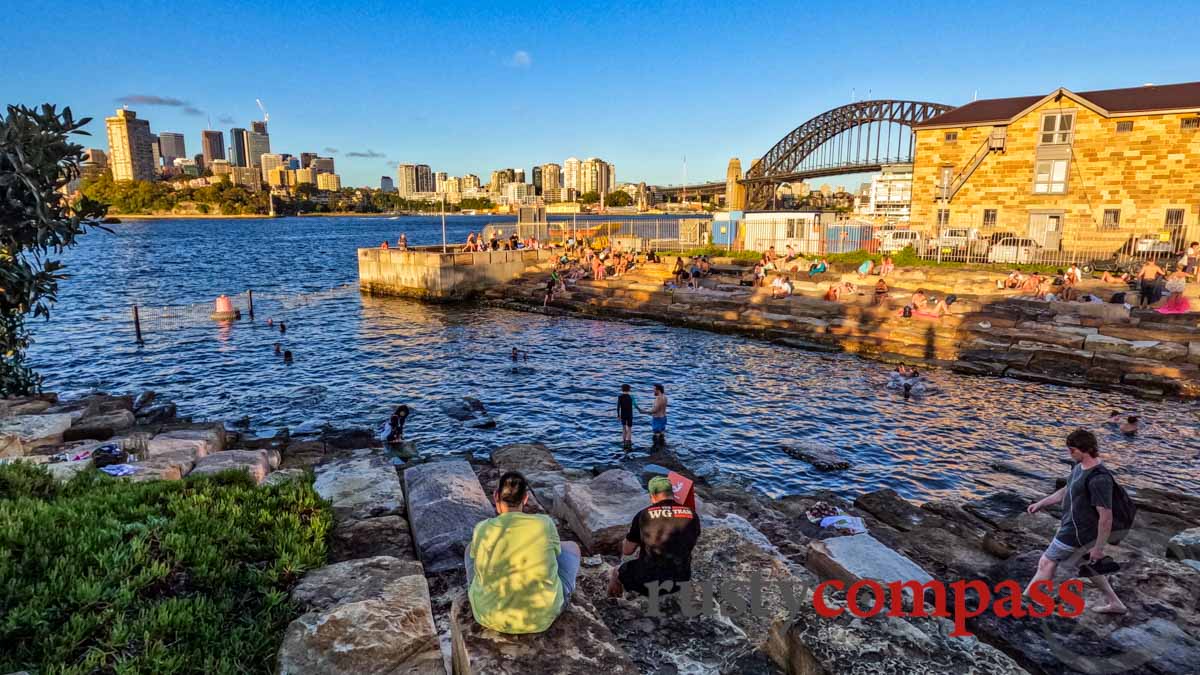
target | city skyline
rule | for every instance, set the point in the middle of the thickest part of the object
(545, 84)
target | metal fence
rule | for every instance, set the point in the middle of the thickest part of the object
(277, 306)
(632, 234)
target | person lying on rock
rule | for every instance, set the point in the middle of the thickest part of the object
(519, 575)
(663, 535)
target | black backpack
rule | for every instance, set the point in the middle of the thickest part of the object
(908, 311)
(1123, 508)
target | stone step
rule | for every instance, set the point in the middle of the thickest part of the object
(444, 501)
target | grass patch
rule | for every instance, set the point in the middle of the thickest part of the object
(716, 252)
(104, 575)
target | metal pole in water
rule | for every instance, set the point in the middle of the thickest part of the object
(443, 222)
(250, 302)
(137, 326)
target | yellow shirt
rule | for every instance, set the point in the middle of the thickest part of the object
(516, 588)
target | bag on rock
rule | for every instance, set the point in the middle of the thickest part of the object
(109, 453)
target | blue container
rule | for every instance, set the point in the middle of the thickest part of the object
(847, 238)
(725, 227)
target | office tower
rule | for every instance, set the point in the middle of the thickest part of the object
(96, 156)
(246, 176)
(129, 146)
(519, 176)
(308, 175)
(237, 147)
(406, 179)
(258, 143)
(212, 145)
(269, 162)
(156, 154)
(537, 180)
(306, 159)
(424, 178)
(386, 184)
(221, 167)
(571, 173)
(171, 147)
(470, 182)
(199, 160)
(439, 181)
(258, 126)
(516, 192)
(552, 176)
(329, 181)
(322, 164)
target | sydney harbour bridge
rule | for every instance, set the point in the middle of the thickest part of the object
(855, 138)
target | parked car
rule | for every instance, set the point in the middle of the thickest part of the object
(897, 240)
(1014, 250)
(1153, 246)
(1116, 265)
(958, 243)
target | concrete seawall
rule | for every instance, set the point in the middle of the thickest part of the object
(429, 274)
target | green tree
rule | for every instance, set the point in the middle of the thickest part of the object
(590, 198)
(37, 160)
(618, 198)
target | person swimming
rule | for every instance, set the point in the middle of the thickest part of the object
(287, 356)
(1131, 425)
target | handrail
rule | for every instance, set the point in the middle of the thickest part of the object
(994, 142)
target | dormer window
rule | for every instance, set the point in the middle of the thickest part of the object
(1057, 127)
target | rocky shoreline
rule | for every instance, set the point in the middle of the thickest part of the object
(392, 600)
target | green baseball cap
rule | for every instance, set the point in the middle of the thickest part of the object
(660, 485)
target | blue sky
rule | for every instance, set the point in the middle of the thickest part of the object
(470, 87)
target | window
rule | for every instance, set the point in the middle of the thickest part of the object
(989, 217)
(951, 136)
(1050, 176)
(1190, 123)
(1056, 127)
(1174, 217)
(1112, 219)
(791, 228)
(943, 216)
(1124, 127)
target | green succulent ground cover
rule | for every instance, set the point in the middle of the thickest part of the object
(104, 575)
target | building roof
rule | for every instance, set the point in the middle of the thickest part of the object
(1185, 96)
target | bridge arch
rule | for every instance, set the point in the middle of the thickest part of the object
(860, 136)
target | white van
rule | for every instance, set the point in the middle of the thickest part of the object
(897, 240)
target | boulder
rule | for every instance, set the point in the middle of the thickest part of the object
(577, 643)
(891, 509)
(34, 406)
(166, 465)
(444, 501)
(1146, 349)
(212, 436)
(65, 471)
(253, 462)
(76, 409)
(157, 413)
(284, 476)
(143, 400)
(861, 556)
(525, 457)
(162, 444)
(370, 537)
(599, 511)
(100, 427)
(1185, 545)
(362, 485)
(20, 434)
(368, 616)
(350, 439)
(821, 458)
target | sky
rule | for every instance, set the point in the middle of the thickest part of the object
(472, 87)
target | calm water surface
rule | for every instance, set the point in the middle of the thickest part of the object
(733, 400)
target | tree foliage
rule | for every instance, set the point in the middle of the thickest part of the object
(37, 160)
(590, 197)
(618, 198)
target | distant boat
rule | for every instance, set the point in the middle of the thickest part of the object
(394, 218)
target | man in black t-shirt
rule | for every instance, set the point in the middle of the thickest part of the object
(664, 535)
(625, 414)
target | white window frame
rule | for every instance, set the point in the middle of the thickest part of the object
(943, 217)
(1057, 134)
(1050, 176)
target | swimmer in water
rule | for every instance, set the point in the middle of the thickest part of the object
(278, 350)
(282, 327)
(287, 356)
(1131, 425)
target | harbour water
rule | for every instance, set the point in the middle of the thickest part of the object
(734, 401)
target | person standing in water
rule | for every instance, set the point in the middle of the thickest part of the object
(625, 407)
(658, 415)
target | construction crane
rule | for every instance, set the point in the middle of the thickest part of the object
(266, 117)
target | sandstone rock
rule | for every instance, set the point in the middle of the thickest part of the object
(861, 556)
(350, 439)
(285, 476)
(891, 509)
(65, 471)
(525, 457)
(166, 465)
(577, 643)
(253, 462)
(20, 434)
(159, 445)
(821, 458)
(364, 616)
(213, 436)
(30, 407)
(1148, 349)
(100, 427)
(599, 511)
(76, 409)
(143, 400)
(157, 413)
(444, 502)
(1185, 545)
(363, 485)
(370, 537)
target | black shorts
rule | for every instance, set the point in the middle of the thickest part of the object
(626, 421)
(634, 575)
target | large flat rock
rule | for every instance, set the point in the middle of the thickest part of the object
(444, 501)
(166, 465)
(577, 643)
(100, 427)
(861, 556)
(599, 511)
(213, 436)
(22, 433)
(1185, 545)
(256, 463)
(369, 616)
(525, 457)
(362, 485)
(369, 537)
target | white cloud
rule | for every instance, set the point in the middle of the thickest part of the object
(520, 59)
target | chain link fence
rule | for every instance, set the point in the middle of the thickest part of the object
(632, 234)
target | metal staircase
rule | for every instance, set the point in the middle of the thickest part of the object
(995, 142)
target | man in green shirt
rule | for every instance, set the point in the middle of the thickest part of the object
(519, 576)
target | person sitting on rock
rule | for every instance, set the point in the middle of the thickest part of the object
(881, 292)
(393, 429)
(663, 535)
(519, 575)
(781, 287)
(1015, 280)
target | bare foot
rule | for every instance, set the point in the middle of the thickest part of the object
(1110, 609)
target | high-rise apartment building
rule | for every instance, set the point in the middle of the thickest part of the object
(612, 177)
(220, 167)
(516, 192)
(171, 147)
(245, 176)
(95, 164)
(129, 146)
(306, 159)
(571, 173)
(212, 145)
(439, 181)
(518, 176)
(406, 180)
(499, 180)
(593, 176)
(551, 175)
(386, 184)
(308, 175)
(470, 182)
(321, 164)
(451, 186)
(537, 180)
(237, 147)
(424, 178)
(329, 181)
(269, 162)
